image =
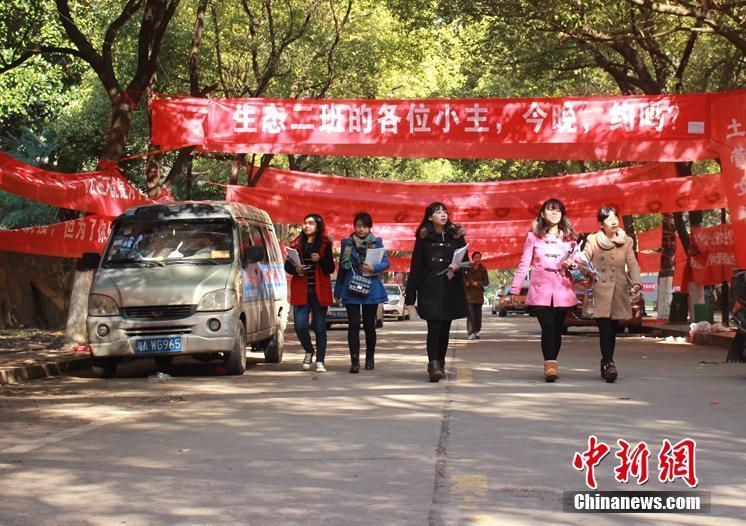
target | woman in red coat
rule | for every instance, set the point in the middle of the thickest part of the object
(311, 287)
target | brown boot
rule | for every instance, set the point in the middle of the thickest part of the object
(551, 370)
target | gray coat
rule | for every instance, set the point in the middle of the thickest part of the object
(611, 293)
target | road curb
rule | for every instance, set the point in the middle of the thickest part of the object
(19, 374)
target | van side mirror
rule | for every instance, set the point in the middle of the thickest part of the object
(90, 261)
(253, 254)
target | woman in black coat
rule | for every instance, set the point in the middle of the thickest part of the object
(435, 284)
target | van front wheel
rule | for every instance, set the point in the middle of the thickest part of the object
(273, 348)
(104, 367)
(235, 362)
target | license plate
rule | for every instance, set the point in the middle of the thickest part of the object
(162, 344)
(339, 314)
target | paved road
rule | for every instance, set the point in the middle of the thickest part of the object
(492, 445)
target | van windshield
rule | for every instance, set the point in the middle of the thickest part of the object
(188, 242)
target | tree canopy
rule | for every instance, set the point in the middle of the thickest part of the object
(79, 80)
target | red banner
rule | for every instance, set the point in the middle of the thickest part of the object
(69, 239)
(104, 193)
(716, 259)
(330, 184)
(649, 258)
(729, 117)
(491, 261)
(630, 128)
(289, 206)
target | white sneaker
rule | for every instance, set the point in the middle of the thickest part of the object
(471, 337)
(478, 336)
(320, 367)
(307, 361)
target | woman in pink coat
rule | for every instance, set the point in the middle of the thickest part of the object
(546, 253)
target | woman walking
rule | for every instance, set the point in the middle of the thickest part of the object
(612, 254)
(352, 263)
(435, 284)
(547, 252)
(310, 287)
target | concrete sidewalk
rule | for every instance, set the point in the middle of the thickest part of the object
(27, 354)
(712, 339)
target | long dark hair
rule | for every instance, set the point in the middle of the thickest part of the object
(541, 228)
(426, 228)
(317, 237)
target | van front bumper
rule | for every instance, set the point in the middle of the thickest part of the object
(189, 335)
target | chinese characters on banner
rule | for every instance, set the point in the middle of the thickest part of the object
(729, 117)
(289, 205)
(716, 259)
(103, 193)
(69, 239)
(634, 128)
(675, 461)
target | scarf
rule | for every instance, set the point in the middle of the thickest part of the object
(361, 247)
(606, 242)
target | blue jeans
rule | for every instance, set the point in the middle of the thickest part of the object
(317, 313)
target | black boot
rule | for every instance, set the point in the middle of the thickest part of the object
(370, 362)
(608, 371)
(354, 363)
(434, 371)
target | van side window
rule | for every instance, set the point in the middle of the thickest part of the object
(245, 235)
(255, 235)
(272, 248)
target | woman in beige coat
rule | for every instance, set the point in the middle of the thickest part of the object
(611, 253)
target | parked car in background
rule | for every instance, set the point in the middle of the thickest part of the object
(575, 316)
(512, 304)
(337, 314)
(395, 305)
(495, 300)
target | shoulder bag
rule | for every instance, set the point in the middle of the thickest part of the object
(359, 285)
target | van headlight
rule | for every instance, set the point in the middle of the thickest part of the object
(221, 299)
(100, 305)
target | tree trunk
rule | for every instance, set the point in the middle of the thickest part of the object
(189, 181)
(119, 129)
(237, 162)
(665, 275)
(114, 144)
(629, 229)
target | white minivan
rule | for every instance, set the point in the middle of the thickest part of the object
(190, 278)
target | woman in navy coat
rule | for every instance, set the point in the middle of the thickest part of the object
(352, 262)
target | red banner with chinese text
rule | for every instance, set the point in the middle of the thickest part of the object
(68, 239)
(104, 193)
(716, 259)
(729, 130)
(631, 128)
(649, 256)
(289, 206)
(274, 178)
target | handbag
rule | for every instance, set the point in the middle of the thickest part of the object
(359, 285)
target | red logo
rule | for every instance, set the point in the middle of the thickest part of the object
(677, 461)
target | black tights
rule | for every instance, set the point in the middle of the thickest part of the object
(369, 326)
(552, 322)
(438, 332)
(607, 330)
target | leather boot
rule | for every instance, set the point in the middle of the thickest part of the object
(608, 371)
(370, 362)
(434, 371)
(354, 363)
(551, 370)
